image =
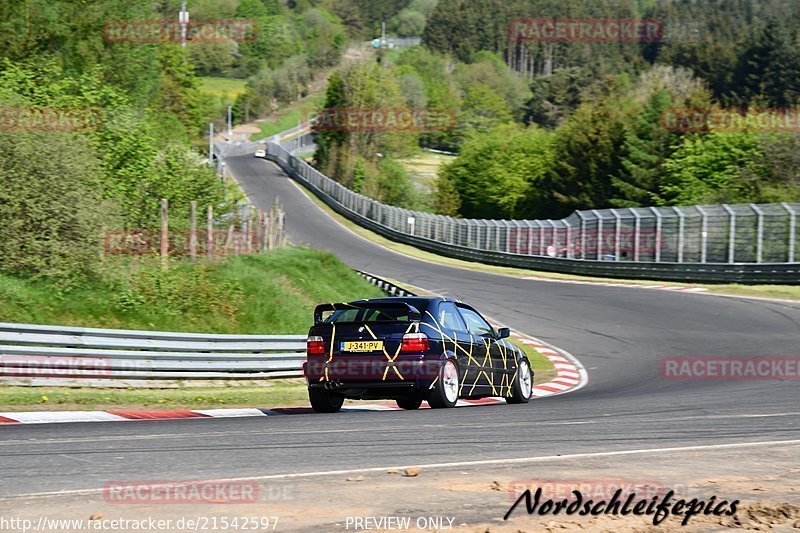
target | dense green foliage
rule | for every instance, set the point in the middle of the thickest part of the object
(469, 98)
(604, 105)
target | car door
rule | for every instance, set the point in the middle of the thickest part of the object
(485, 352)
(459, 341)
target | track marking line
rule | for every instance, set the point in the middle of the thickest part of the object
(459, 464)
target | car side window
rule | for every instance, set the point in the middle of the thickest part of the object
(476, 324)
(449, 318)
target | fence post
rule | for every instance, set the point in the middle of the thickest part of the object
(617, 234)
(703, 235)
(229, 239)
(210, 231)
(659, 227)
(681, 228)
(637, 233)
(792, 230)
(731, 233)
(193, 229)
(164, 232)
(265, 230)
(583, 233)
(248, 234)
(760, 237)
(599, 234)
(570, 248)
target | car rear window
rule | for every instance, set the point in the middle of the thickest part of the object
(369, 315)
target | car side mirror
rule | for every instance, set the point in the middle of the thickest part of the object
(503, 333)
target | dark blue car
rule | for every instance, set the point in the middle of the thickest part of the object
(410, 350)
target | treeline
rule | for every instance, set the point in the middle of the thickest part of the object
(294, 43)
(452, 100)
(62, 184)
(595, 131)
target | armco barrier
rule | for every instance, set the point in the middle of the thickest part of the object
(703, 272)
(386, 286)
(31, 352)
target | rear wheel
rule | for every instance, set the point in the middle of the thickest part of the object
(409, 404)
(324, 401)
(444, 393)
(522, 387)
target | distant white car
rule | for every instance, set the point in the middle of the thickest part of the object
(261, 153)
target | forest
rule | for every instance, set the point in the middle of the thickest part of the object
(547, 127)
(539, 127)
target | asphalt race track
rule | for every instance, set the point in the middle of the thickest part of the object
(618, 334)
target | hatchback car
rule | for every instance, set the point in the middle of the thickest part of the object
(410, 350)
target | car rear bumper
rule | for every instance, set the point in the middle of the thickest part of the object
(374, 370)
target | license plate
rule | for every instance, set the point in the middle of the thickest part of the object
(362, 346)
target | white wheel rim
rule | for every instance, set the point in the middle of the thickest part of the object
(525, 384)
(450, 381)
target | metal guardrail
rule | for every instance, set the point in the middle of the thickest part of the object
(387, 286)
(30, 351)
(590, 245)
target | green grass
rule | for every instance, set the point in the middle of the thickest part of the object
(278, 393)
(226, 89)
(290, 117)
(272, 293)
(423, 168)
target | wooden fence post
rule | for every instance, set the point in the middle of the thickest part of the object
(210, 232)
(260, 230)
(193, 229)
(164, 232)
(229, 240)
(248, 235)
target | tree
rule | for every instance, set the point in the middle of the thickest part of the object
(714, 168)
(769, 67)
(407, 23)
(587, 149)
(647, 145)
(447, 200)
(499, 174)
(52, 212)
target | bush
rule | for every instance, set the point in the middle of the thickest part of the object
(51, 211)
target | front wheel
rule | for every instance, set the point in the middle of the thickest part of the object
(324, 401)
(522, 388)
(444, 393)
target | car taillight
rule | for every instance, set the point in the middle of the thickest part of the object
(315, 346)
(414, 342)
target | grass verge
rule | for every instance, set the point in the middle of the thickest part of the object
(275, 393)
(287, 392)
(287, 119)
(784, 292)
(225, 89)
(272, 293)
